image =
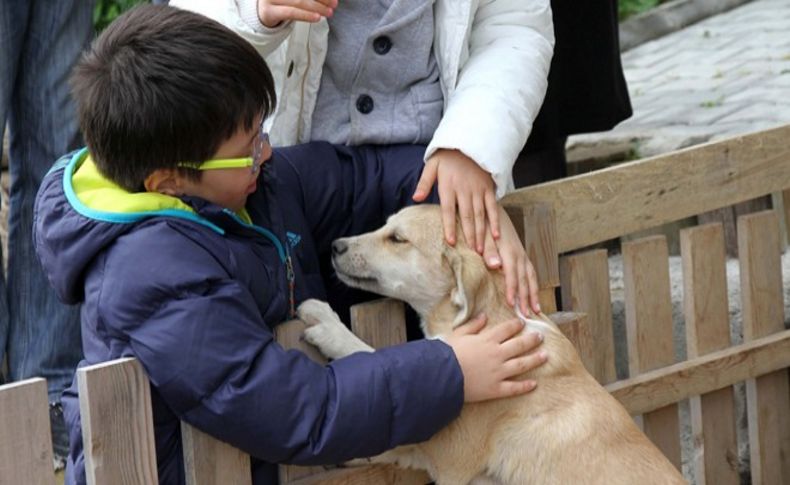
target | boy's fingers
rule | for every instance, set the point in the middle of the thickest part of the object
(518, 366)
(505, 330)
(492, 209)
(427, 179)
(517, 347)
(514, 388)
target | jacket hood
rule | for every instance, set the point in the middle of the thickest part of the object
(78, 213)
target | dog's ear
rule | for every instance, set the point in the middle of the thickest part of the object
(469, 270)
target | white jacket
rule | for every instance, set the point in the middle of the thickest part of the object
(493, 56)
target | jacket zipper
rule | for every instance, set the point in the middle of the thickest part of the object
(285, 257)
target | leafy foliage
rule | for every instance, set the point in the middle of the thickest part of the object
(627, 8)
(106, 11)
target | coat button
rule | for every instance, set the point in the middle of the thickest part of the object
(382, 45)
(290, 69)
(364, 104)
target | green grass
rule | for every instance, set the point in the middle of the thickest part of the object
(628, 8)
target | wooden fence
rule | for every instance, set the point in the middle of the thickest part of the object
(558, 220)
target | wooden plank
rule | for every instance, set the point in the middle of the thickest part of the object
(209, 461)
(576, 328)
(547, 298)
(375, 474)
(289, 336)
(585, 288)
(379, 323)
(707, 330)
(648, 312)
(786, 213)
(728, 216)
(536, 224)
(767, 397)
(117, 424)
(25, 442)
(602, 205)
(658, 388)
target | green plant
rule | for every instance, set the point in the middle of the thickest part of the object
(106, 11)
(628, 8)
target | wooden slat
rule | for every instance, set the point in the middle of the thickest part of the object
(655, 389)
(547, 298)
(117, 424)
(786, 214)
(648, 310)
(376, 474)
(209, 461)
(576, 328)
(289, 336)
(25, 443)
(708, 330)
(768, 397)
(585, 288)
(536, 225)
(379, 323)
(602, 205)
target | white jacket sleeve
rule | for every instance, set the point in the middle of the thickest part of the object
(241, 16)
(500, 87)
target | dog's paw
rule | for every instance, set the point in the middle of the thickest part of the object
(326, 332)
(314, 312)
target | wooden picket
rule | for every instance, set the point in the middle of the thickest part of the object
(707, 330)
(25, 446)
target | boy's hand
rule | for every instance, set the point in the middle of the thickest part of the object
(272, 12)
(520, 279)
(462, 184)
(489, 358)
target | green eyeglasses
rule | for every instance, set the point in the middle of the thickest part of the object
(254, 162)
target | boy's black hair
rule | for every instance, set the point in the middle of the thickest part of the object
(162, 86)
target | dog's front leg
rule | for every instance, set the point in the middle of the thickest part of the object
(327, 332)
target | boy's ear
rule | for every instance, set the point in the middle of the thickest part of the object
(164, 181)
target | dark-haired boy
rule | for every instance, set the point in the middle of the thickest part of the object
(186, 250)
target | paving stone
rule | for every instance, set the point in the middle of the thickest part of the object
(725, 75)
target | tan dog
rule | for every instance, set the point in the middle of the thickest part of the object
(567, 431)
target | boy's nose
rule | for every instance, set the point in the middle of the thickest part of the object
(339, 247)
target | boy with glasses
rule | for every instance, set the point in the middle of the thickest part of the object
(186, 251)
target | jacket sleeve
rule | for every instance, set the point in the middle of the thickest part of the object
(213, 359)
(500, 87)
(241, 16)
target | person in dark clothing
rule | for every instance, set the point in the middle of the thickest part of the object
(586, 91)
(186, 251)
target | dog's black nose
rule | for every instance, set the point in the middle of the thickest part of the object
(339, 247)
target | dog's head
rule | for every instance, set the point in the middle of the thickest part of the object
(408, 259)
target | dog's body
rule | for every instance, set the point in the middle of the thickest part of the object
(569, 430)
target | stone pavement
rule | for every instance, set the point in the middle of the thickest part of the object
(726, 75)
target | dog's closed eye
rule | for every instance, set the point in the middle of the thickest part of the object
(396, 238)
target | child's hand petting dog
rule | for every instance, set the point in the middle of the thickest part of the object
(507, 252)
(490, 358)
